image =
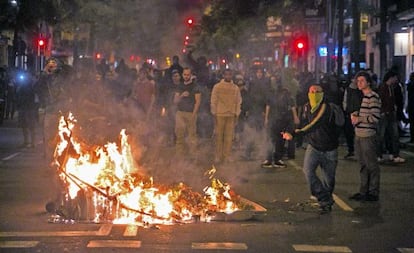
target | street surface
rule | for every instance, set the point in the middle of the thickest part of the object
(291, 224)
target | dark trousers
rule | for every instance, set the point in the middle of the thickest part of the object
(349, 133)
(370, 171)
(276, 127)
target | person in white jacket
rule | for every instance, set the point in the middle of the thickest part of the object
(225, 106)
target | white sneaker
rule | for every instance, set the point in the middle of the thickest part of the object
(398, 160)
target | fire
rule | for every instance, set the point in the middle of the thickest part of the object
(107, 179)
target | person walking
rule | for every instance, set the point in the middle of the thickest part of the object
(187, 98)
(322, 148)
(225, 106)
(365, 122)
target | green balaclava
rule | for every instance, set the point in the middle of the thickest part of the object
(315, 100)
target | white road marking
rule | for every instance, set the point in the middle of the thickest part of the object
(18, 244)
(104, 230)
(321, 248)
(406, 250)
(114, 244)
(344, 206)
(219, 246)
(10, 156)
(407, 153)
(294, 164)
(131, 230)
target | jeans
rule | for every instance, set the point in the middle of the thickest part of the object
(370, 170)
(322, 188)
(388, 127)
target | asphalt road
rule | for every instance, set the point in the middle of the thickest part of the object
(290, 224)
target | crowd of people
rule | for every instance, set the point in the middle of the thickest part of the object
(262, 114)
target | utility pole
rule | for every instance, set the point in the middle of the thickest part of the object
(355, 34)
(383, 36)
(341, 6)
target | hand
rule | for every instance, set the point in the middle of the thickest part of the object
(354, 119)
(286, 136)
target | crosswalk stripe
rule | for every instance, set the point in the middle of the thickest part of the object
(10, 156)
(406, 250)
(18, 244)
(321, 248)
(131, 230)
(219, 246)
(103, 231)
(114, 244)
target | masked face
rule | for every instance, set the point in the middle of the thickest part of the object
(315, 97)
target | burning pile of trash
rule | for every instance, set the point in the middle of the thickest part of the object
(103, 184)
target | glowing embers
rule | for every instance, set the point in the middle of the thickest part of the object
(103, 184)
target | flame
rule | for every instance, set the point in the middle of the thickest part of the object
(108, 177)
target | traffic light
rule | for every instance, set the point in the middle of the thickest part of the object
(41, 42)
(300, 45)
(190, 21)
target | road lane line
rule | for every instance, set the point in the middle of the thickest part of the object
(11, 156)
(294, 164)
(407, 153)
(406, 250)
(344, 206)
(219, 246)
(18, 244)
(321, 248)
(131, 230)
(104, 230)
(114, 244)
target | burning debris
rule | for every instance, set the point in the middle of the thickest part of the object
(103, 184)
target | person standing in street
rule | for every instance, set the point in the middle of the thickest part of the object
(365, 122)
(351, 103)
(388, 124)
(410, 105)
(322, 148)
(187, 98)
(27, 107)
(280, 116)
(225, 106)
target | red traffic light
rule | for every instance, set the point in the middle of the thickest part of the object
(190, 21)
(300, 45)
(41, 42)
(98, 56)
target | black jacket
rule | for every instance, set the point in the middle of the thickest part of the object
(321, 132)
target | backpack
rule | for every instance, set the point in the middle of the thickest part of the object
(337, 114)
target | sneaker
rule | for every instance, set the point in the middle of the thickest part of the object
(398, 160)
(266, 164)
(349, 155)
(279, 164)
